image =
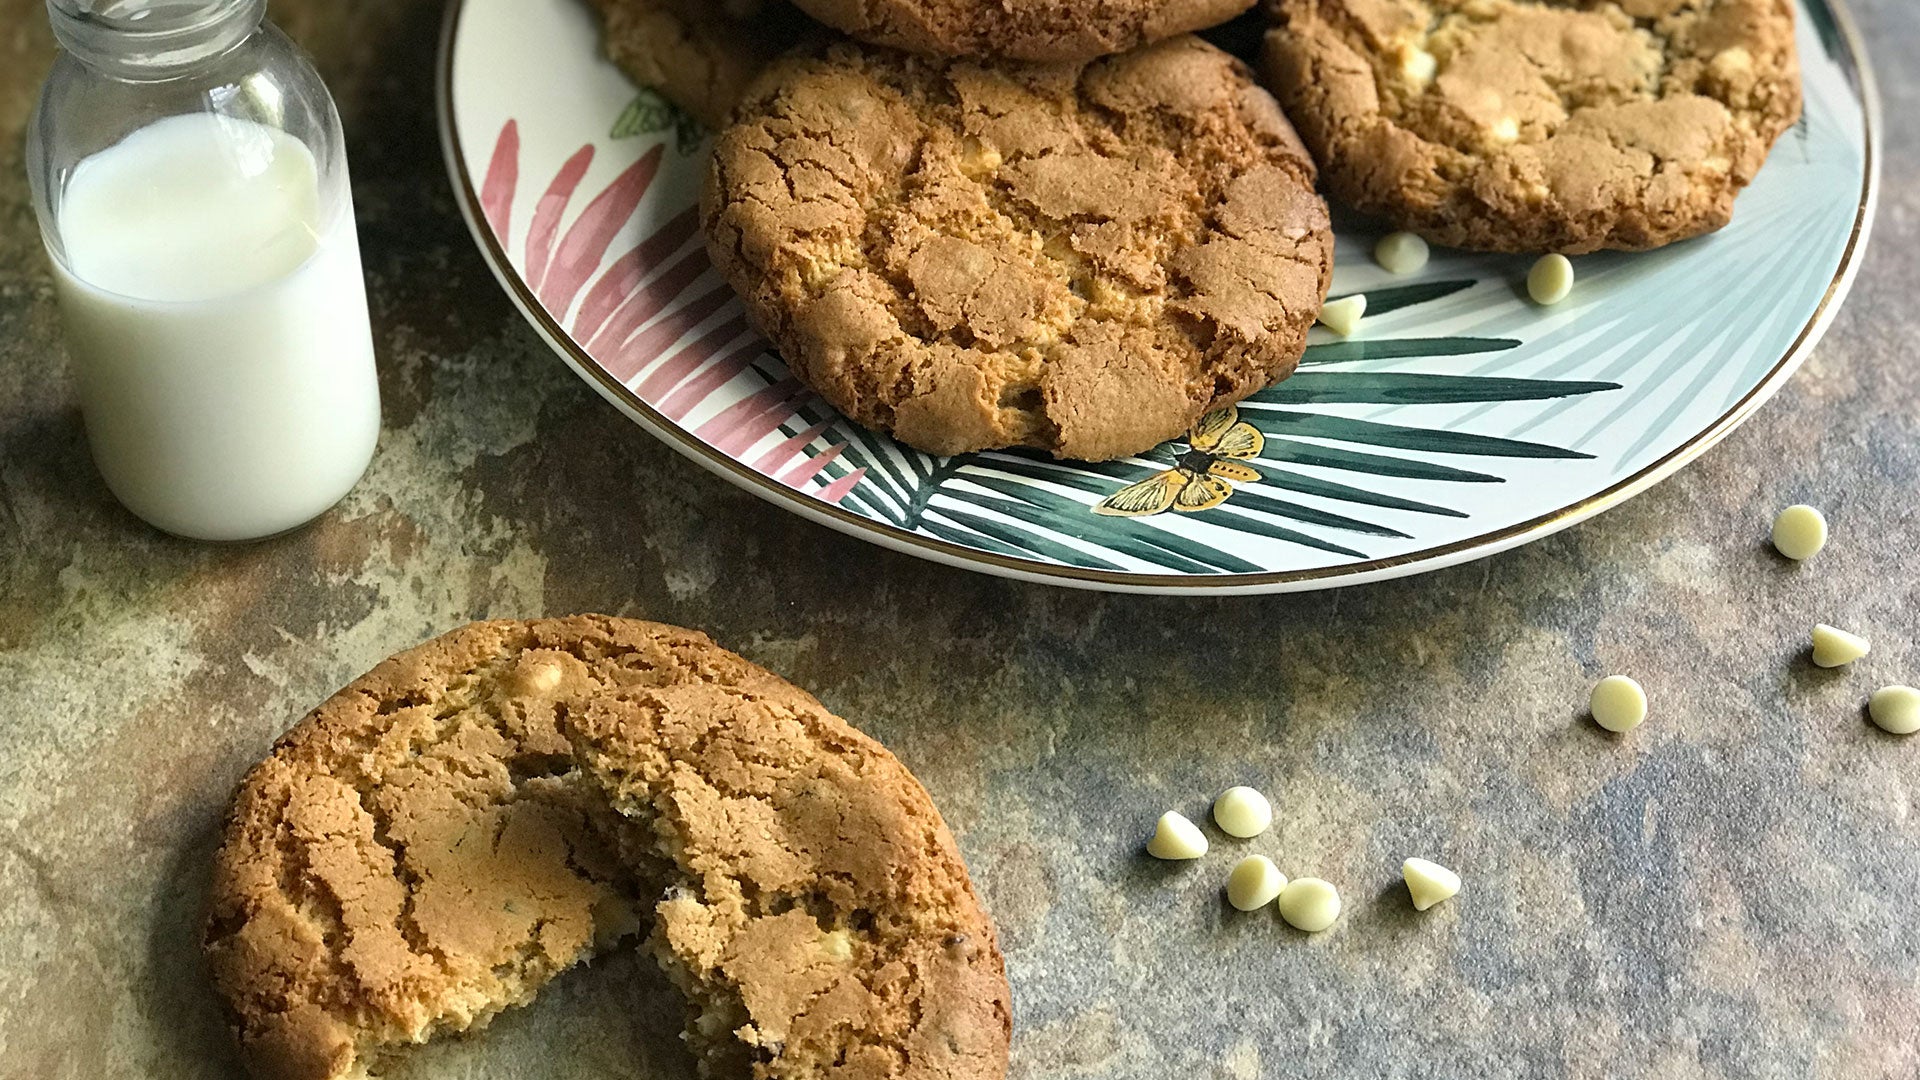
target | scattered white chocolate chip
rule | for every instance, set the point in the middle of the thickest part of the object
(1342, 316)
(1428, 882)
(1618, 703)
(1176, 838)
(1401, 253)
(1309, 904)
(1834, 647)
(1896, 709)
(1799, 532)
(1506, 130)
(1254, 882)
(838, 945)
(1242, 812)
(1550, 280)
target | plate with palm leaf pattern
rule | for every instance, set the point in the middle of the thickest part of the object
(1460, 420)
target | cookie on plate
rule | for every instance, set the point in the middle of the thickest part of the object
(1050, 30)
(699, 54)
(475, 815)
(1538, 125)
(1082, 259)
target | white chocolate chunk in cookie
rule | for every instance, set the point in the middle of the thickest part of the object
(1418, 66)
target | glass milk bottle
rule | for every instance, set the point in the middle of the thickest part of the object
(191, 183)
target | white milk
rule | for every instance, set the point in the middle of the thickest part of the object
(218, 327)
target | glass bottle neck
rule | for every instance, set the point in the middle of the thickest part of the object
(152, 39)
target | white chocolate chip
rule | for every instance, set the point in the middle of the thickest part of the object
(838, 945)
(1618, 703)
(1309, 904)
(1242, 812)
(540, 677)
(1896, 709)
(1418, 65)
(1176, 838)
(1401, 253)
(1550, 280)
(1834, 647)
(1729, 64)
(1254, 882)
(1428, 882)
(1342, 316)
(1506, 130)
(1799, 532)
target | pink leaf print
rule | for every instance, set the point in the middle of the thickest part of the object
(810, 468)
(750, 419)
(546, 214)
(778, 456)
(645, 303)
(837, 490)
(715, 375)
(503, 176)
(676, 365)
(625, 274)
(586, 241)
(635, 310)
(646, 345)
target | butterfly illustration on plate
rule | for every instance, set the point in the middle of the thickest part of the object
(1202, 476)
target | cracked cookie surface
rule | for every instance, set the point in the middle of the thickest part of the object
(699, 54)
(1044, 30)
(475, 815)
(1082, 259)
(1538, 125)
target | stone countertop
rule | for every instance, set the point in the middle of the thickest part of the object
(1728, 892)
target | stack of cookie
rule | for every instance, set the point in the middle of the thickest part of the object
(1078, 228)
(979, 224)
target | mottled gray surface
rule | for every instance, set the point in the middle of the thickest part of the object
(1728, 892)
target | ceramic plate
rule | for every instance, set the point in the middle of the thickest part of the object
(1460, 420)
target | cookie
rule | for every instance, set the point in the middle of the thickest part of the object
(475, 815)
(1081, 259)
(1045, 30)
(1538, 125)
(699, 54)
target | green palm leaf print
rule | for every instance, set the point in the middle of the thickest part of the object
(1024, 505)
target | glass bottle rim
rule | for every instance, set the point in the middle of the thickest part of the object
(152, 38)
